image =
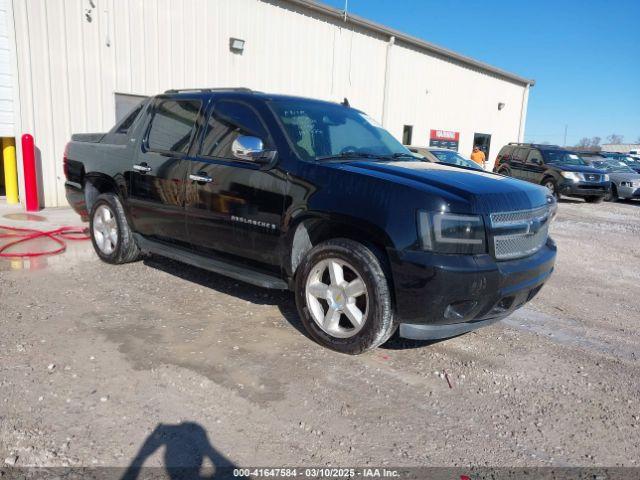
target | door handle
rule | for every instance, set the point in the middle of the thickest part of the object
(143, 167)
(201, 177)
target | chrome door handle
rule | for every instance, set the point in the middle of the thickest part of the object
(142, 168)
(201, 178)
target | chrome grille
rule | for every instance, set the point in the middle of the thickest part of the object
(519, 234)
(592, 177)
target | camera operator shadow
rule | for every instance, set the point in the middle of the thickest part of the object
(187, 447)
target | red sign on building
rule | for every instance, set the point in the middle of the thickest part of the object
(444, 139)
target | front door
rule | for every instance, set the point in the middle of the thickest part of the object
(534, 166)
(518, 159)
(156, 196)
(234, 207)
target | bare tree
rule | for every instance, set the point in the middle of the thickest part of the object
(595, 141)
(584, 142)
(615, 138)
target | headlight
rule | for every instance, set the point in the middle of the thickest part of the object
(605, 177)
(573, 176)
(451, 233)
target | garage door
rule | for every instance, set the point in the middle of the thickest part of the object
(6, 72)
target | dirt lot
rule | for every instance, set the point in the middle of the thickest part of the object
(96, 360)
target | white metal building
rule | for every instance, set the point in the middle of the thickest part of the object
(71, 61)
(621, 147)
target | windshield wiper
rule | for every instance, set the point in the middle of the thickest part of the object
(376, 156)
(351, 156)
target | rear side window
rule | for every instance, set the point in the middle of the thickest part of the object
(172, 125)
(129, 120)
(228, 121)
(521, 154)
(535, 157)
(505, 152)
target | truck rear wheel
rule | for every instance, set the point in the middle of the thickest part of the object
(343, 297)
(110, 233)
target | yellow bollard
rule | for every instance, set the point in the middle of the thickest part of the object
(10, 169)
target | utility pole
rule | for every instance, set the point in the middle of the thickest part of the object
(346, 9)
(565, 135)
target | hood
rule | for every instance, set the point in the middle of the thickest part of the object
(577, 168)
(484, 192)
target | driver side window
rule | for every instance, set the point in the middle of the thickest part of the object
(228, 121)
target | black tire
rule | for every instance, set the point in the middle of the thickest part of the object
(552, 186)
(379, 322)
(612, 194)
(126, 250)
(594, 199)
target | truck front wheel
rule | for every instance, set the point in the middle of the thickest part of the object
(343, 297)
(110, 233)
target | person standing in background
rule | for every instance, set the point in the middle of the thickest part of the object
(478, 156)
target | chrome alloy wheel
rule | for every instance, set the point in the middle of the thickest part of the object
(550, 186)
(105, 229)
(337, 298)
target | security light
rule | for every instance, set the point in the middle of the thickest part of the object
(236, 45)
(501, 105)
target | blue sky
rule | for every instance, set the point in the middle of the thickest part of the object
(584, 55)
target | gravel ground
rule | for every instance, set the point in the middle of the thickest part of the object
(158, 363)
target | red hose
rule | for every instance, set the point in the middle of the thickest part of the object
(23, 235)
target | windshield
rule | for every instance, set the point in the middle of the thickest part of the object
(617, 156)
(612, 166)
(622, 158)
(562, 157)
(321, 130)
(454, 158)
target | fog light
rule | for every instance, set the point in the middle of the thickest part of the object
(459, 310)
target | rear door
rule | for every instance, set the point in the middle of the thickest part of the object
(234, 206)
(156, 195)
(518, 159)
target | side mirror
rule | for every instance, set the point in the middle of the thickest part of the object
(251, 149)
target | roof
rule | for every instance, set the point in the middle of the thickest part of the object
(409, 40)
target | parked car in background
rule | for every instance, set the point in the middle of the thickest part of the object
(562, 171)
(630, 160)
(625, 182)
(635, 154)
(443, 155)
(315, 197)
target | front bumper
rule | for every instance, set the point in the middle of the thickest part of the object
(628, 192)
(439, 296)
(584, 189)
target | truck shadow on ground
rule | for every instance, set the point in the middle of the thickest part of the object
(284, 300)
(188, 454)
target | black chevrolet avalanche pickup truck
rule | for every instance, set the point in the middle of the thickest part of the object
(315, 197)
